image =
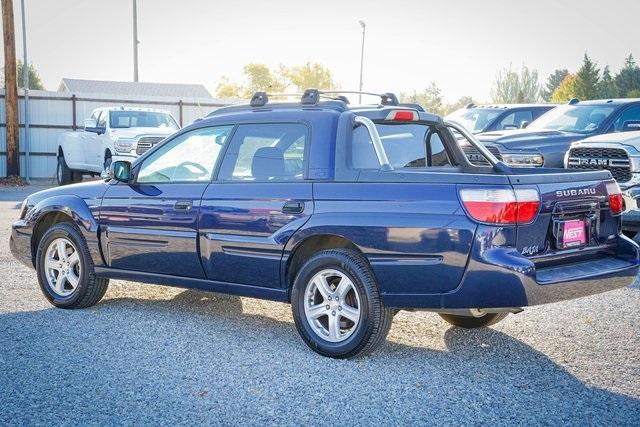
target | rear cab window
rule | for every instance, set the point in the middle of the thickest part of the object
(407, 145)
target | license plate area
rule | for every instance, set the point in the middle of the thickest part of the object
(571, 233)
(575, 225)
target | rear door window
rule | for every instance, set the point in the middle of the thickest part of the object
(406, 145)
(265, 152)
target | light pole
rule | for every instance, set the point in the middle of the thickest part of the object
(135, 41)
(25, 86)
(364, 26)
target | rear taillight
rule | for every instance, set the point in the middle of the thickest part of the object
(616, 201)
(501, 205)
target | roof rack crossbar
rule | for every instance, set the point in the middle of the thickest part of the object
(312, 97)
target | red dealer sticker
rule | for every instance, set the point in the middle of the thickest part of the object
(574, 233)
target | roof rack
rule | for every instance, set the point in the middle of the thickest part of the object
(312, 97)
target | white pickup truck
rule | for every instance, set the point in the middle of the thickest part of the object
(113, 133)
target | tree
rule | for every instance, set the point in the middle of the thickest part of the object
(460, 103)
(228, 89)
(511, 87)
(553, 81)
(261, 79)
(607, 86)
(634, 93)
(587, 79)
(309, 75)
(35, 82)
(566, 90)
(430, 98)
(628, 79)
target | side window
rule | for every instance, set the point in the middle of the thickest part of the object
(631, 114)
(95, 114)
(406, 146)
(437, 153)
(265, 152)
(515, 120)
(102, 120)
(189, 157)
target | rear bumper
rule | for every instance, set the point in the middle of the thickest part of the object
(501, 277)
(20, 243)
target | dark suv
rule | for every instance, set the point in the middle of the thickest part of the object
(486, 118)
(546, 141)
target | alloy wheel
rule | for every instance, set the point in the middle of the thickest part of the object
(332, 305)
(62, 267)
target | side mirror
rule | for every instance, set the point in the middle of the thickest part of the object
(524, 124)
(90, 125)
(631, 125)
(119, 170)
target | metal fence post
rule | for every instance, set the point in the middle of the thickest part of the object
(180, 111)
(74, 126)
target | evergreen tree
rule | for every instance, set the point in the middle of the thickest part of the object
(607, 87)
(553, 81)
(587, 79)
(628, 79)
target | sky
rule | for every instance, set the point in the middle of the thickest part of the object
(458, 44)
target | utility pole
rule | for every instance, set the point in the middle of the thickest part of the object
(25, 85)
(135, 41)
(364, 26)
(11, 89)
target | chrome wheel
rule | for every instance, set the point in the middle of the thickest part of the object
(62, 267)
(332, 305)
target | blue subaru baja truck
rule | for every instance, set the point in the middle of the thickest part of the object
(348, 213)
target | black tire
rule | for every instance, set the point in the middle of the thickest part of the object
(90, 289)
(471, 322)
(375, 319)
(64, 175)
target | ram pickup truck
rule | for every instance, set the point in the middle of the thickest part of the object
(348, 213)
(110, 134)
(619, 153)
(546, 140)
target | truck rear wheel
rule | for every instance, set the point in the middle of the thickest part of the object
(337, 306)
(470, 322)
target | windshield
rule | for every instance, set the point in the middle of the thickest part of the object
(474, 119)
(573, 118)
(141, 119)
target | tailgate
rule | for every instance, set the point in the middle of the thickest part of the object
(574, 214)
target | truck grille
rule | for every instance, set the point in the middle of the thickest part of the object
(615, 160)
(474, 156)
(146, 142)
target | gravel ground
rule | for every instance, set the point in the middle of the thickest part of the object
(157, 355)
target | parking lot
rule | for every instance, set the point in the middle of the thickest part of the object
(151, 354)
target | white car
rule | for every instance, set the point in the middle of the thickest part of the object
(114, 133)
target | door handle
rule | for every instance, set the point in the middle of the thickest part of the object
(183, 205)
(293, 207)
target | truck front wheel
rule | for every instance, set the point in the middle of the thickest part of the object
(65, 269)
(337, 307)
(64, 175)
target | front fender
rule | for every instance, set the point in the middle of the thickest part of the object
(74, 207)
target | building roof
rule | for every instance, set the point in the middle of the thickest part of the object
(134, 88)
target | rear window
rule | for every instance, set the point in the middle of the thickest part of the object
(406, 146)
